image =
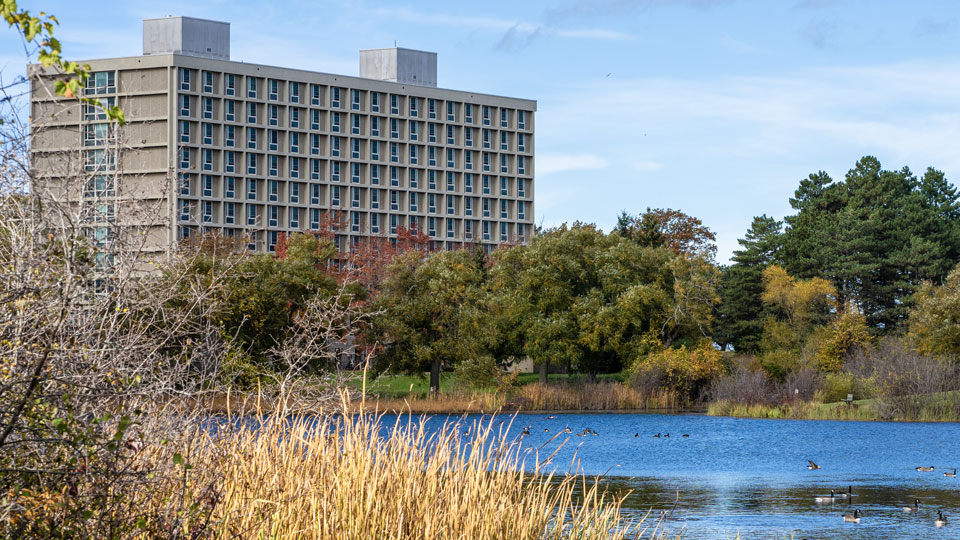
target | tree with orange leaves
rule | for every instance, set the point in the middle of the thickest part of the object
(669, 228)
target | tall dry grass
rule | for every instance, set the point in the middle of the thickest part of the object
(352, 477)
(595, 396)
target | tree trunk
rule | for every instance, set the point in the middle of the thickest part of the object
(435, 379)
(543, 372)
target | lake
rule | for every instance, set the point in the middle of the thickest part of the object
(750, 476)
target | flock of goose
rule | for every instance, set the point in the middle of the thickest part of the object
(857, 514)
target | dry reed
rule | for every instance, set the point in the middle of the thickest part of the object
(595, 396)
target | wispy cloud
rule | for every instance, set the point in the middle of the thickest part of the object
(548, 164)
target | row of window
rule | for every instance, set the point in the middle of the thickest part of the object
(413, 106)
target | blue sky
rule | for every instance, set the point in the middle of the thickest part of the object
(714, 107)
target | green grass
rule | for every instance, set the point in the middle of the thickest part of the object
(937, 407)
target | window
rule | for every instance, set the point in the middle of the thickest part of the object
(432, 226)
(355, 197)
(450, 205)
(413, 201)
(503, 118)
(251, 214)
(251, 164)
(229, 161)
(374, 223)
(335, 122)
(251, 189)
(231, 85)
(468, 230)
(450, 138)
(432, 203)
(375, 150)
(486, 162)
(521, 210)
(393, 224)
(355, 151)
(251, 138)
(432, 156)
(273, 213)
(521, 168)
(431, 179)
(334, 195)
(451, 112)
(251, 88)
(451, 162)
(375, 175)
(468, 113)
(274, 115)
(355, 127)
(413, 106)
(468, 136)
(294, 142)
(208, 82)
(394, 128)
(450, 228)
(394, 153)
(374, 127)
(431, 132)
(101, 134)
(314, 219)
(294, 92)
(486, 115)
(273, 190)
(315, 94)
(104, 82)
(486, 230)
(184, 210)
(335, 171)
(431, 108)
(413, 178)
(394, 176)
(503, 141)
(207, 107)
(486, 208)
(374, 101)
(503, 186)
(503, 209)
(355, 221)
(468, 183)
(413, 131)
(294, 167)
(521, 120)
(375, 199)
(315, 169)
(486, 138)
(272, 238)
(94, 112)
(295, 192)
(503, 232)
(394, 104)
(294, 217)
(314, 119)
(413, 155)
(294, 117)
(335, 146)
(486, 184)
(230, 112)
(394, 200)
(207, 211)
(335, 97)
(468, 160)
(468, 206)
(185, 184)
(184, 105)
(355, 173)
(521, 191)
(503, 163)
(520, 232)
(229, 187)
(207, 130)
(355, 99)
(229, 136)
(229, 213)
(315, 194)
(185, 79)
(251, 113)
(451, 182)
(274, 89)
(521, 143)
(274, 138)
(184, 157)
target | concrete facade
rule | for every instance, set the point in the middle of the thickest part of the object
(253, 151)
(399, 65)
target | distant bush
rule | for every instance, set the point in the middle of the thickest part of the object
(689, 371)
(744, 386)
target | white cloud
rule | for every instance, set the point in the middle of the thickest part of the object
(647, 166)
(548, 164)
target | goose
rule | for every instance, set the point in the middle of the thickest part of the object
(593, 432)
(852, 518)
(666, 435)
(941, 521)
(846, 495)
(951, 474)
(551, 417)
(636, 435)
(686, 434)
(914, 508)
(823, 499)
(925, 469)
(657, 436)
(812, 466)
(546, 430)
(526, 430)
(567, 430)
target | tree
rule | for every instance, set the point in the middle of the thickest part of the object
(672, 229)
(935, 317)
(742, 310)
(428, 313)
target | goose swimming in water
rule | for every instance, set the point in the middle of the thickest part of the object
(951, 474)
(812, 466)
(854, 517)
(526, 430)
(823, 499)
(846, 495)
(941, 521)
(914, 508)
(657, 436)
(567, 430)
(925, 469)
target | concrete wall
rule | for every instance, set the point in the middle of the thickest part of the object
(187, 36)
(399, 65)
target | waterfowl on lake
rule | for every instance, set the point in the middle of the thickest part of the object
(824, 499)
(914, 508)
(636, 435)
(686, 434)
(925, 469)
(941, 520)
(665, 435)
(551, 417)
(812, 466)
(951, 474)
(526, 430)
(846, 495)
(854, 517)
(546, 430)
(657, 436)
(567, 430)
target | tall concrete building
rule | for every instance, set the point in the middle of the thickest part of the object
(253, 151)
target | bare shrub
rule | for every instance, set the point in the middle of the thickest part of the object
(801, 385)
(745, 386)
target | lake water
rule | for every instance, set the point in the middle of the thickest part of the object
(750, 476)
